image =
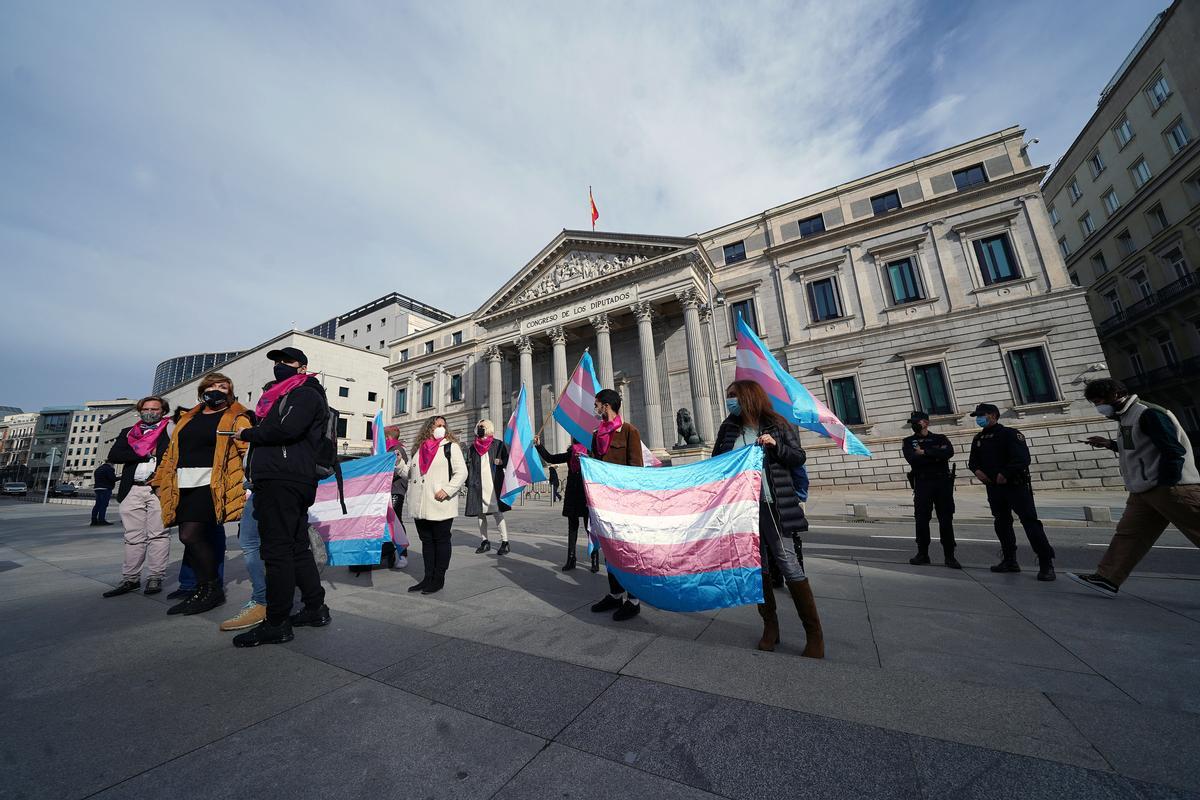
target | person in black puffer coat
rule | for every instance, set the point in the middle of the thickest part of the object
(575, 507)
(752, 422)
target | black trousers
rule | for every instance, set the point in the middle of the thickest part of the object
(1008, 499)
(435, 546)
(281, 508)
(930, 493)
(100, 508)
(573, 533)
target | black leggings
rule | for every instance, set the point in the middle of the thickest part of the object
(573, 533)
(198, 550)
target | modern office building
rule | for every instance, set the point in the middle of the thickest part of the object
(178, 369)
(373, 325)
(16, 442)
(1125, 204)
(85, 451)
(935, 284)
(49, 446)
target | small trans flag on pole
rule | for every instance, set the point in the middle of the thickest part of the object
(524, 466)
(379, 441)
(576, 411)
(681, 538)
(788, 396)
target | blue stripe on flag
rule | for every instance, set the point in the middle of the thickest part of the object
(519, 436)
(700, 592)
(354, 552)
(721, 467)
(371, 465)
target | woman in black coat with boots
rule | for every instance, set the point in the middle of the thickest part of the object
(753, 422)
(575, 507)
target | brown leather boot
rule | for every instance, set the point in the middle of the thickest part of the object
(806, 607)
(770, 619)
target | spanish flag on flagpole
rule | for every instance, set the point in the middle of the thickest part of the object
(595, 212)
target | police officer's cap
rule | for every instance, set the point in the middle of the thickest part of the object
(985, 408)
(917, 416)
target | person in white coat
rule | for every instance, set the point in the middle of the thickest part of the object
(436, 475)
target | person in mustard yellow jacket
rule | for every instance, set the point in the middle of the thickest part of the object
(200, 483)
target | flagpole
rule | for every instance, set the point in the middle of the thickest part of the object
(558, 397)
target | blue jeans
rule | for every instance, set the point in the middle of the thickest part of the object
(187, 578)
(251, 557)
(101, 506)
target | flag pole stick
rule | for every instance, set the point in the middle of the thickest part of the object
(558, 397)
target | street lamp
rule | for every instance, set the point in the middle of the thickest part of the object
(49, 476)
(324, 375)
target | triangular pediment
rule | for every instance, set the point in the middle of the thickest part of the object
(577, 258)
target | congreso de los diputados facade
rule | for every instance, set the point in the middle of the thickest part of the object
(934, 285)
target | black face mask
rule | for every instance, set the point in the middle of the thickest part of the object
(915, 428)
(215, 398)
(479, 432)
(283, 372)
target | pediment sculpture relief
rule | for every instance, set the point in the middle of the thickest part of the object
(576, 267)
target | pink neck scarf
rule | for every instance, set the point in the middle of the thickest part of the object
(277, 391)
(577, 452)
(391, 444)
(482, 443)
(143, 439)
(604, 434)
(427, 451)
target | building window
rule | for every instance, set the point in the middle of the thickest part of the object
(1166, 347)
(1031, 372)
(1158, 218)
(1158, 91)
(368, 347)
(1063, 247)
(745, 310)
(368, 331)
(1123, 132)
(1177, 262)
(1054, 217)
(822, 296)
(1073, 189)
(1074, 278)
(1114, 301)
(812, 226)
(1135, 362)
(1086, 224)
(1142, 283)
(381, 345)
(971, 176)
(1177, 137)
(370, 430)
(735, 252)
(1111, 201)
(996, 259)
(1140, 171)
(1125, 243)
(1095, 164)
(843, 393)
(404, 354)
(903, 282)
(343, 391)
(429, 347)
(342, 338)
(383, 321)
(354, 333)
(933, 395)
(427, 395)
(456, 388)
(341, 427)
(456, 338)
(371, 397)
(401, 401)
(885, 203)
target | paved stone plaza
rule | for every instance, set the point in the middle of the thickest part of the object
(938, 683)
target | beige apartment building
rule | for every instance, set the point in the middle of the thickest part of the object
(1125, 205)
(935, 284)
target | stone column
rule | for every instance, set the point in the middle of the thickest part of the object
(697, 364)
(414, 397)
(654, 431)
(439, 389)
(1042, 233)
(559, 438)
(604, 365)
(495, 398)
(947, 272)
(525, 348)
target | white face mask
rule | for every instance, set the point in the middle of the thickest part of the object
(439, 432)
(1105, 410)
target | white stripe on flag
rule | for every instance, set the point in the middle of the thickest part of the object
(362, 505)
(738, 517)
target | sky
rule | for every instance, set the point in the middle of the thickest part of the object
(181, 177)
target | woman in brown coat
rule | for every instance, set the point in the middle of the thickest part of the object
(200, 483)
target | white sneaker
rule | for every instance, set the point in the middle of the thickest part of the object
(401, 562)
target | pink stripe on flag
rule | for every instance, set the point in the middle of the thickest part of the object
(363, 484)
(697, 499)
(771, 385)
(584, 418)
(730, 551)
(346, 528)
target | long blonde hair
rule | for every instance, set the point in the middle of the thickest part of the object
(427, 433)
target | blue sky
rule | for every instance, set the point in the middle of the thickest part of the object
(189, 176)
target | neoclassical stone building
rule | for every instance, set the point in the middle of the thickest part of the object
(935, 284)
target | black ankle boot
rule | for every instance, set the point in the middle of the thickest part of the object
(435, 585)
(1046, 570)
(1007, 564)
(265, 633)
(419, 585)
(595, 562)
(484, 546)
(503, 551)
(570, 565)
(919, 559)
(207, 596)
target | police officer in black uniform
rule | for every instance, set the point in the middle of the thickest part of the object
(929, 456)
(1000, 460)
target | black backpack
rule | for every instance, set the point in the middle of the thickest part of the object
(325, 449)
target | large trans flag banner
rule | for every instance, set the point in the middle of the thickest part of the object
(357, 536)
(681, 538)
(524, 466)
(788, 396)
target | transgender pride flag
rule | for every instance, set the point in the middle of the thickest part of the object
(357, 536)
(576, 409)
(524, 464)
(788, 396)
(681, 538)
